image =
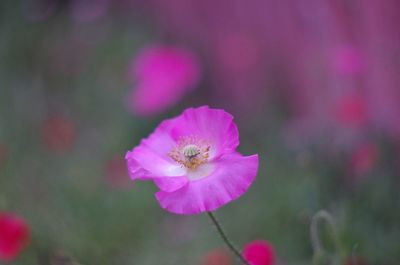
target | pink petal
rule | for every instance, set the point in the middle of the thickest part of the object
(135, 170)
(213, 125)
(153, 96)
(150, 159)
(171, 184)
(232, 176)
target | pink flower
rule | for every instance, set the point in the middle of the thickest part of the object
(217, 257)
(163, 74)
(14, 235)
(192, 160)
(259, 252)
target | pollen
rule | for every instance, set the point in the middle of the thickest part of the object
(190, 152)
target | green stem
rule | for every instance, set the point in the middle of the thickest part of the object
(226, 239)
(320, 253)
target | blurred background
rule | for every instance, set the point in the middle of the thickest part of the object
(313, 86)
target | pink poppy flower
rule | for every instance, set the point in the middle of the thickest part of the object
(163, 74)
(192, 160)
(14, 235)
(259, 252)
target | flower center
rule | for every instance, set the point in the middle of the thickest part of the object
(190, 152)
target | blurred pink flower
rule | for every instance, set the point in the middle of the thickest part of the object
(259, 252)
(282, 57)
(351, 110)
(58, 134)
(116, 173)
(364, 158)
(347, 60)
(217, 257)
(14, 236)
(163, 74)
(192, 159)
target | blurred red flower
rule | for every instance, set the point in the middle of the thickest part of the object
(58, 134)
(14, 236)
(364, 158)
(351, 111)
(259, 252)
(217, 257)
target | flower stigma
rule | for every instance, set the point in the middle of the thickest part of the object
(190, 152)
